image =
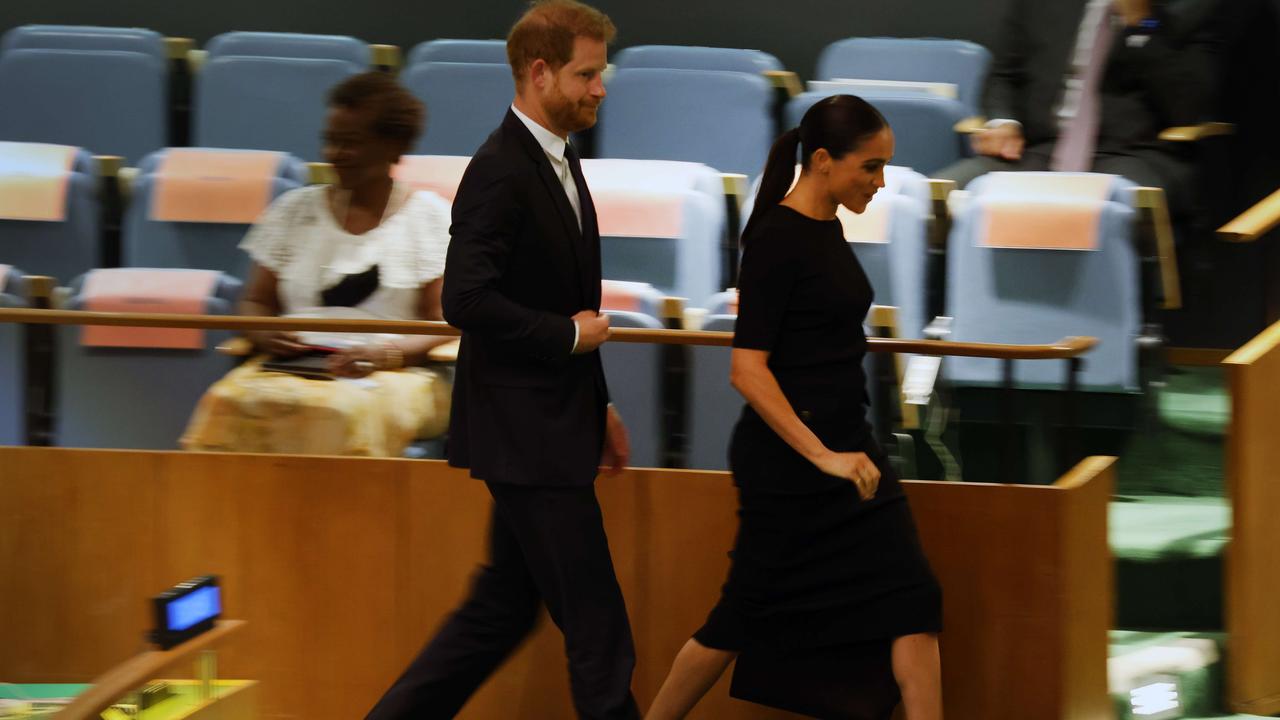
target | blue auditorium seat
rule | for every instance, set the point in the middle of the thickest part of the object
(63, 249)
(84, 37)
(201, 245)
(113, 102)
(634, 374)
(714, 405)
(134, 397)
(697, 58)
(459, 51)
(266, 103)
(679, 256)
(717, 118)
(291, 168)
(1027, 296)
(465, 102)
(290, 45)
(958, 62)
(13, 365)
(922, 126)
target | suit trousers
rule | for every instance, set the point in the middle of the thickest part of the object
(546, 546)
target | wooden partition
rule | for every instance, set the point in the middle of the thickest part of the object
(343, 568)
(1252, 594)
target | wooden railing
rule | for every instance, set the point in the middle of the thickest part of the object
(1065, 348)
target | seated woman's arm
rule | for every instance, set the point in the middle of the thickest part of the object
(261, 299)
(401, 352)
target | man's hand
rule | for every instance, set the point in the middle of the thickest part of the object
(593, 330)
(1002, 141)
(617, 448)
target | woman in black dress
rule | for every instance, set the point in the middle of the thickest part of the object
(830, 606)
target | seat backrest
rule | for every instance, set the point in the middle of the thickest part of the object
(465, 103)
(697, 58)
(291, 168)
(463, 51)
(922, 126)
(112, 102)
(714, 405)
(290, 45)
(266, 103)
(720, 119)
(661, 222)
(62, 249)
(1030, 295)
(959, 62)
(147, 242)
(634, 374)
(13, 362)
(84, 37)
(123, 397)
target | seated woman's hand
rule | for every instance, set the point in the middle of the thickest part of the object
(278, 343)
(358, 361)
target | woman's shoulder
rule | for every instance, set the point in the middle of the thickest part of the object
(427, 202)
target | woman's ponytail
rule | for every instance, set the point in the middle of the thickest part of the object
(779, 173)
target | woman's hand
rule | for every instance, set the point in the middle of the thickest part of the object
(853, 466)
(278, 343)
(358, 361)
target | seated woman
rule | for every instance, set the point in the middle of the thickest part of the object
(367, 247)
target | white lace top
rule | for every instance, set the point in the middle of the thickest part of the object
(299, 240)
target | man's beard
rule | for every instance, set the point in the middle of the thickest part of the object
(568, 115)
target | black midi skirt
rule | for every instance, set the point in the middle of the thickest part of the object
(821, 581)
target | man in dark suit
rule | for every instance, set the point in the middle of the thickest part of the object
(530, 408)
(1158, 72)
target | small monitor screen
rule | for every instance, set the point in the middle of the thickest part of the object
(193, 608)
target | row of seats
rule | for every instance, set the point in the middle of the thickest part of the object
(996, 293)
(665, 223)
(107, 89)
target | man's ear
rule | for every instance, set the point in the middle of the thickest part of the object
(535, 73)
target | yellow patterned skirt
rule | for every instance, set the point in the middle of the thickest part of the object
(251, 410)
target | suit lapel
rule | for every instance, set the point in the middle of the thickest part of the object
(582, 252)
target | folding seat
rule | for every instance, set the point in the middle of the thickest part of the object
(13, 294)
(136, 387)
(465, 102)
(459, 51)
(190, 207)
(661, 222)
(99, 88)
(1035, 257)
(84, 37)
(439, 174)
(718, 118)
(697, 58)
(923, 125)
(635, 370)
(266, 91)
(50, 218)
(959, 63)
(714, 405)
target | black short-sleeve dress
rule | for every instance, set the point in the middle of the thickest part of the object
(818, 574)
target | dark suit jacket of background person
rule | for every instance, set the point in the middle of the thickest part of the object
(525, 410)
(1167, 82)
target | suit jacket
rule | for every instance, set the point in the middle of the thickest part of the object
(525, 410)
(1165, 82)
